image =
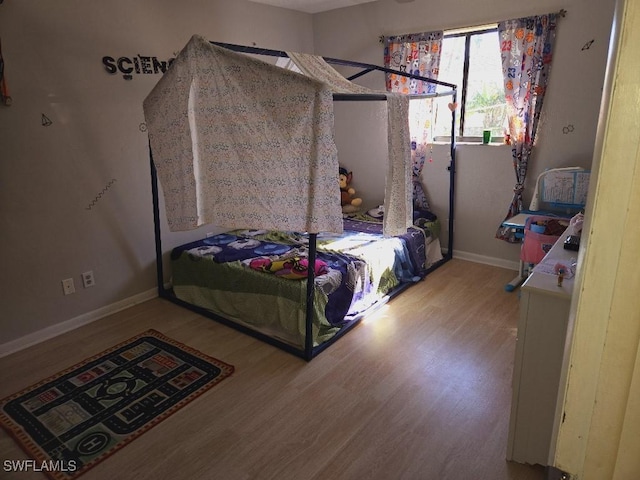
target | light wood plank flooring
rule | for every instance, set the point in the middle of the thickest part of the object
(421, 390)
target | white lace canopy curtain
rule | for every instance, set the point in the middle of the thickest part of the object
(240, 143)
(418, 54)
(398, 185)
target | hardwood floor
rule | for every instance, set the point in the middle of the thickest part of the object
(421, 390)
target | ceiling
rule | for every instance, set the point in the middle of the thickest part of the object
(312, 6)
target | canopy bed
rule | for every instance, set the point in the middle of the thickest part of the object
(248, 147)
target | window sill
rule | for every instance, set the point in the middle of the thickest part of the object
(479, 144)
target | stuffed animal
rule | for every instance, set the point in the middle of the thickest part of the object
(347, 200)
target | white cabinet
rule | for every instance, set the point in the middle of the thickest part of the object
(542, 328)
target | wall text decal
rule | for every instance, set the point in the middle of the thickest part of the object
(139, 65)
(587, 45)
(100, 194)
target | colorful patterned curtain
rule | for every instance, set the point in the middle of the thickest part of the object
(415, 53)
(527, 46)
(418, 54)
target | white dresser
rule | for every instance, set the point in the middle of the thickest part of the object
(542, 328)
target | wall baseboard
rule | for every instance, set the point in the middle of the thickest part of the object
(54, 330)
(86, 318)
(496, 262)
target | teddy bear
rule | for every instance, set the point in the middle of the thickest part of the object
(349, 203)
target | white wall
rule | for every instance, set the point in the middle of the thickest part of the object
(485, 176)
(50, 175)
(361, 137)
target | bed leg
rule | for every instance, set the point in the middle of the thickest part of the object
(308, 333)
(156, 226)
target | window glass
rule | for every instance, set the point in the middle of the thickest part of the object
(485, 107)
(482, 89)
(451, 69)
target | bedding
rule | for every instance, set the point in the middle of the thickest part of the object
(258, 278)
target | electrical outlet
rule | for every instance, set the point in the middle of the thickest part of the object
(67, 286)
(87, 279)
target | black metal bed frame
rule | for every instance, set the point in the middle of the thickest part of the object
(309, 351)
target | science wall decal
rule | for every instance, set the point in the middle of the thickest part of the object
(138, 65)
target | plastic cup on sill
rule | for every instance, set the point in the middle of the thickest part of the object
(486, 137)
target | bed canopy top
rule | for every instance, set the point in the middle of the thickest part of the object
(241, 143)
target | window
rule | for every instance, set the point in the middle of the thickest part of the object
(471, 60)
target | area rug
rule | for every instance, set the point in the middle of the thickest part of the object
(73, 420)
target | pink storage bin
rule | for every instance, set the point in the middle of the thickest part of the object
(536, 245)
